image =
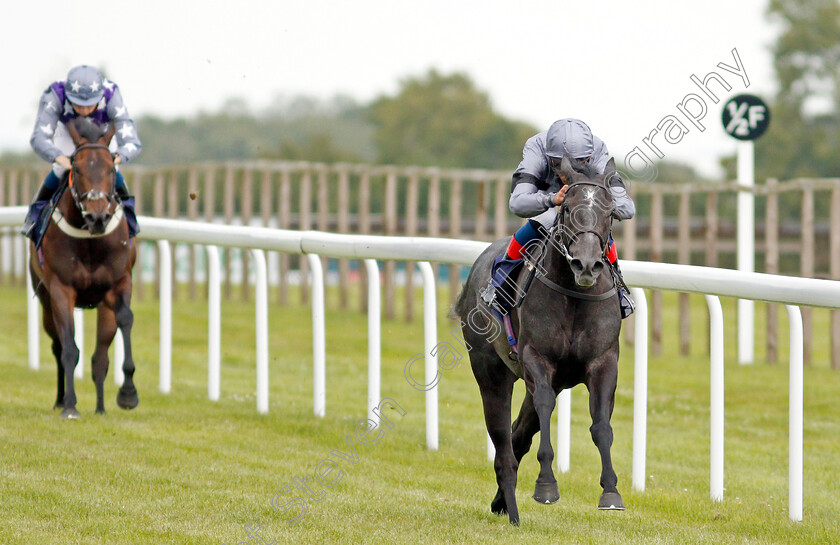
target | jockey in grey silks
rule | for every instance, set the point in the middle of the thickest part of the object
(537, 188)
(85, 93)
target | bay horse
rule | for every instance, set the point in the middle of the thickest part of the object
(568, 328)
(85, 261)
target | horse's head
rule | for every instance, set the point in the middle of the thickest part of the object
(93, 176)
(584, 222)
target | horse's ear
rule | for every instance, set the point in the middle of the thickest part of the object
(73, 131)
(609, 171)
(106, 138)
(569, 174)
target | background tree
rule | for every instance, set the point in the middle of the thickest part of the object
(300, 128)
(443, 120)
(804, 134)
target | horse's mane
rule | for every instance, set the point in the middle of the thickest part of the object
(587, 168)
(89, 130)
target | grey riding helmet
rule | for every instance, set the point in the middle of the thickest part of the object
(84, 85)
(571, 138)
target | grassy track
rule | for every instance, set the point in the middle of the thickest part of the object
(183, 470)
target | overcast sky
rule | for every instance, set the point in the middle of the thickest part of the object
(620, 66)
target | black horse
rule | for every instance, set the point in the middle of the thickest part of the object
(85, 261)
(568, 328)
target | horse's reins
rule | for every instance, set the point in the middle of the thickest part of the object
(92, 195)
(558, 224)
(564, 210)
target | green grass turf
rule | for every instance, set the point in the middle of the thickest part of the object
(181, 469)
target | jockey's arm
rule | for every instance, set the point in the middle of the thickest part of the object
(49, 108)
(128, 144)
(526, 200)
(625, 208)
(64, 161)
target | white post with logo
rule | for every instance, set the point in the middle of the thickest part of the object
(746, 248)
(745, 118)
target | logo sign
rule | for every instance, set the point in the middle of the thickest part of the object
(745, 117)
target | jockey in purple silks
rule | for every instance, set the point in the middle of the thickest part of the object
(85, 93)
(536, 190)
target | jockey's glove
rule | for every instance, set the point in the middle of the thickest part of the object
(616, 181)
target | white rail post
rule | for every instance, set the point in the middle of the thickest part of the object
(795, 410)
(165, 264)
(261, 297)
(19, 245)
(716, 397)
(430, 355)
(746, 247)
(319, 358)
(214, 323)
(119, 358)
(374, 338)
(79, 330)
(491, 450)
(640, 389)
(564, 430)
(32, 319)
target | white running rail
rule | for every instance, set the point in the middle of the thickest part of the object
(710, 282)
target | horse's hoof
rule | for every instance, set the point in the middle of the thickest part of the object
(58, 405)
(611, 501)
(127, 400)
(100, 411)
(70, 414)
(546, 492)
(499, 505)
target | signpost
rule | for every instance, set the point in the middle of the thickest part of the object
(745, 118)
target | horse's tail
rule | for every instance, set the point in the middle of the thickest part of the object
(460, 307)
(457, 310)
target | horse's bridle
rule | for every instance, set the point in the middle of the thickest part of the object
(560, 227)
(93, 194)
(562, 233)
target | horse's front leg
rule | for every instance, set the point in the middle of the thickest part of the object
(105, 331)
(539, 375)
(49, 326)
(601, 378)
(127, 395)
(62, 301)
(59, 397)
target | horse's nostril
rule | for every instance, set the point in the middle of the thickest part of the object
(577, 265)
(597, 267)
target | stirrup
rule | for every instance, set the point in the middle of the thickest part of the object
(490, 296)
(32, 222)
(28, 227)
(628, 306)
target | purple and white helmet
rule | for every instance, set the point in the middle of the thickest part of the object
(84, 85)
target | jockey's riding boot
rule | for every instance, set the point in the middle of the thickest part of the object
(127, 201)
(628, 306)
(122, 191)
(500, 293)
(41, 199)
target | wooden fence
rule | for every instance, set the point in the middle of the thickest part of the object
(685, 223)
